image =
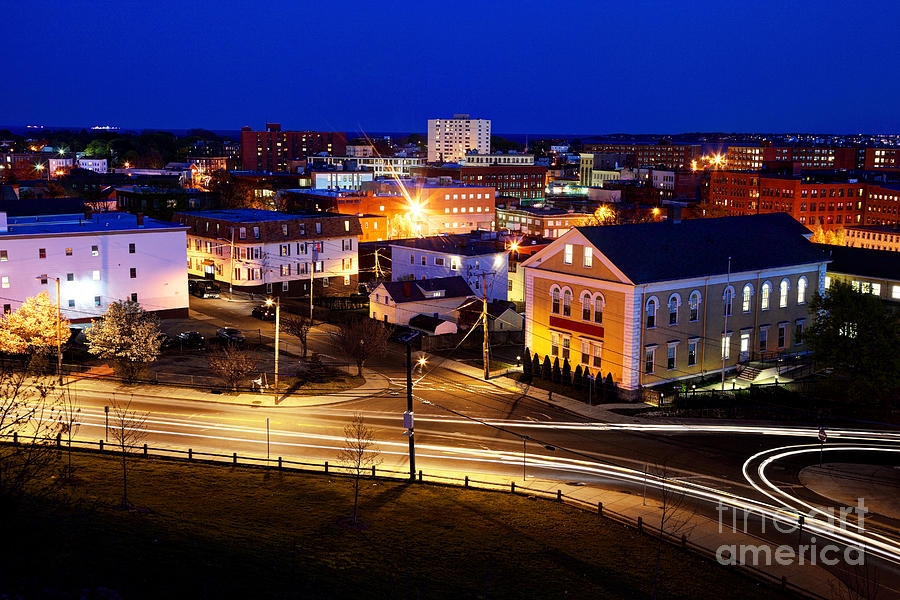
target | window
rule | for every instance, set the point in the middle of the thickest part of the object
(567, 303)
(566, 340)
(95, 275)
(44, 279)
(764, 296)
(670, 355)
(131, 249)
(439, 261)
(554, 295)
(424, 260)
(674, 300)
(694, 304)
(801, 291)
(318, 227)
(42, 253)
(726, 346)
(134, 297)
(242, 233)
(586, 307)
(133, 273)
(746, 294)
(876, 289)
(598, 308)
(585, 352)
(782, 334)
(256, 232)
(554, 343)
(412, 259)
(763, 338)
(649, 353)
(69, 251)
(7, 308)
(588, 257)
(71, 303)
(783, 293)
(895, 292)
(651, 313)
(95, 250)
(96, 300)
(598, 349)
(692, 353)
(70, 276)
(3, 256)
(567, 254)
(346, 225)
(729, 300)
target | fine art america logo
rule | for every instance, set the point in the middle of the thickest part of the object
(805, 549)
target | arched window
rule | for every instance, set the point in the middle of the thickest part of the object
(586, 306)
(567, 303)
(674, 303)
(783, 293)
(746, 295)
(801, 291)
(728, 298)
(554, 294)
(599, 303)
(694, 304)
(652, 305)
(764, 294)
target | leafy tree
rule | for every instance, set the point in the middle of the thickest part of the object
(536, 366)
(416, 138)
(856, 335)
(127, 335)
(526, 364)
(299, 327)
(576, 376)
(576, 145)
(499, 144)
(359, 454)
(566, 372)
(546, 369)
(360, 340)
(557, 372)
(32, 328)
(609, 389)
(99, 148)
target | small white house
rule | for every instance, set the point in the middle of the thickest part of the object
(397, 302)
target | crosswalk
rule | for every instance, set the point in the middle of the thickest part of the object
(431, 386)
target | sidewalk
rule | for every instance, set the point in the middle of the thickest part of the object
(375, 384)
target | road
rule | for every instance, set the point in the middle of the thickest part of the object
(469, 427)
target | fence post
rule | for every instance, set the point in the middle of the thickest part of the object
(683, 541)
(145, 449)
(420, 474)
(16, 438)
(234, 458)
(559, 495)
(640, 524)
(326, 466)
(373, 471)
(512, 487)
(467, 481)
(101, 445)
(279, 463)
(59, 439)
(190, 454)
(600, 508)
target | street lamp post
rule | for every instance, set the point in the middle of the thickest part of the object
(277, 331)
(58, 330)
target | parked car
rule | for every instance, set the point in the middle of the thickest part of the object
(264, 312)
(203, 288)
(167, 342)
(192, 340)
(230, 335)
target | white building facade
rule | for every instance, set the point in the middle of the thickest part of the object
(98, 260)
(97, 165)
(381, 166)
(450, 139)
(478, 268)
(498, 159)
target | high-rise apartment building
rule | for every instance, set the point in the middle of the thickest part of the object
(273, 149)
(450, 139)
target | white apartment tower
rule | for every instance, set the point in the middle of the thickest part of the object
(450, 139)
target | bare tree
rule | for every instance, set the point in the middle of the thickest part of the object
(360, 340)
(359, 453)
(29, 415)
(69, 412)
(674, 516)
(856, 582)
(128, 431)
(232, 364)
(299, 327)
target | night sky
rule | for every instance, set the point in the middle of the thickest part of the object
(539, 67)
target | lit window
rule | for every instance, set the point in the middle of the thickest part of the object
(692, 353)
(649, 353)
(726, 346)
(554, 295)
(694, 305)
(764, 296)
(670, 356)
(588, 257)
(567, 303)
(95, 250)
(95, 276)
(745, 298)
(801, 291)
(783, 293)
(567, 256)
(651, 313)
(673, 309)
(3, 256)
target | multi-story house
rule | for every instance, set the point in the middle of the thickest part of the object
(450, 139)
(427, 304)
(545, 221)
(482, 262)
(652, 303)
(267, 252)
(98, 259)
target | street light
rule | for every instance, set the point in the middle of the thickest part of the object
(277, 304)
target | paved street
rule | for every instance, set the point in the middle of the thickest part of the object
(465, 426)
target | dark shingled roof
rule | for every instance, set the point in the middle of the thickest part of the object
(880, 264)
(666, 250)
(426, 323)
(412, 291)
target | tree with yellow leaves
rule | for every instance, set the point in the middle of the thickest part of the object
(32, 328)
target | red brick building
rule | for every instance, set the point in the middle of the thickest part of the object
(810, 158)
(524, 182)
(274, 149)
(665, 156)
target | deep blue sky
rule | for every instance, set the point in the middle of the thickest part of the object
(579, 66)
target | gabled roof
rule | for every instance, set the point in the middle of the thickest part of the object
(414, 291)
(426, 323)
(864, 262)
(495, 308)
(667, 250)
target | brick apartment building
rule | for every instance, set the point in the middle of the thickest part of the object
(752, 158)
(524, 182)
(665, 156)
(274, 149)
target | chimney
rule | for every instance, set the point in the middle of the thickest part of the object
(140, 219)
(674, 214)
(407, 289)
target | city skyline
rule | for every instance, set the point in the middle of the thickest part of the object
(532, 70)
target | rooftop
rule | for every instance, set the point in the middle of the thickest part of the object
(544, 211)
(255, 215)
(882, 264)
(462, 244)
(77, 223)
(415, 291)
(701, 247)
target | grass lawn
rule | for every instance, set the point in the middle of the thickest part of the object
(322, 379)
(217, 531)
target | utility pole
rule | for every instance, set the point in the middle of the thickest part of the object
(408, 417)
(277, 330)
(312, 280)
(725, 341)
(58, 335)
(231, 270)
(486, 348)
